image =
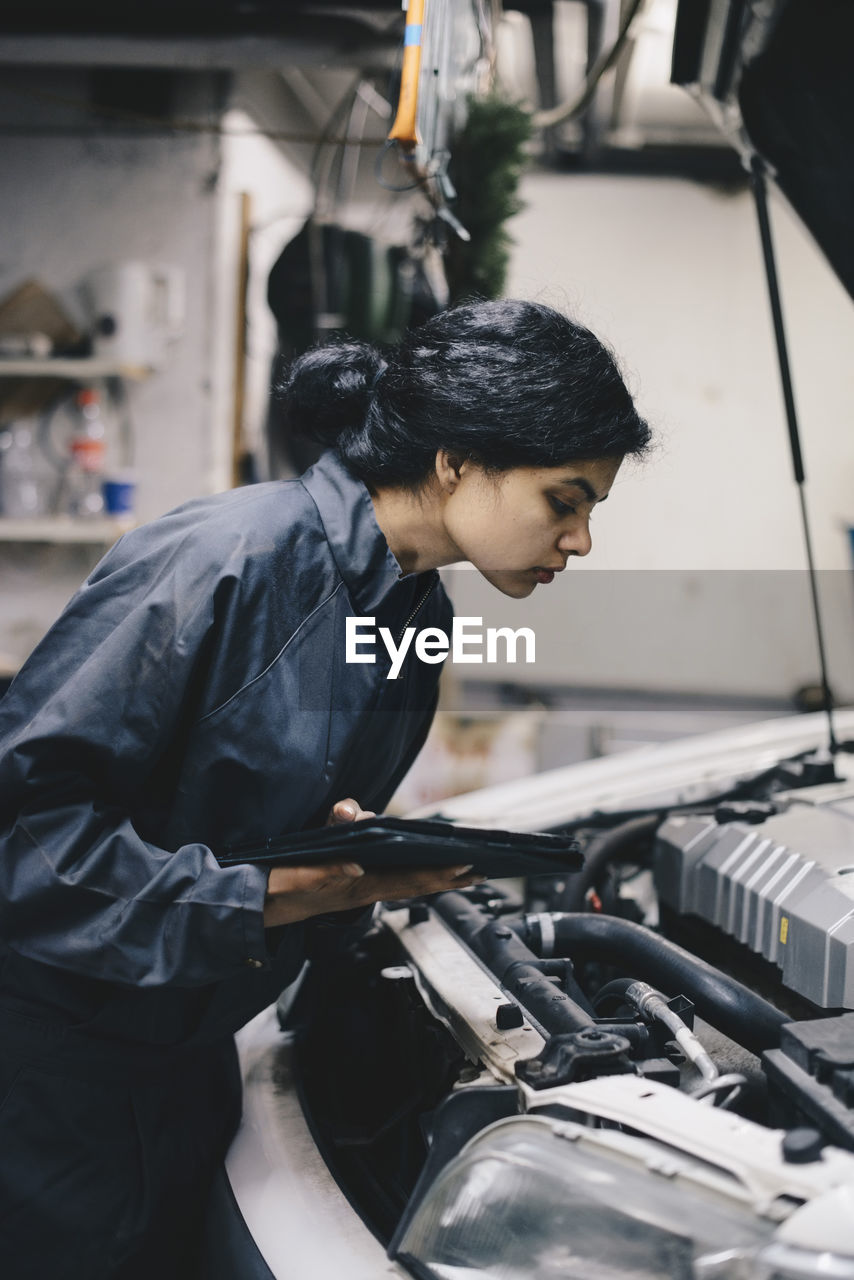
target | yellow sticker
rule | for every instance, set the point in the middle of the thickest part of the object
(784, 929)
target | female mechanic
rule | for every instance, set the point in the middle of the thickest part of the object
(195, 694)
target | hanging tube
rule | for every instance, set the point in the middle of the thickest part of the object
(403, 130)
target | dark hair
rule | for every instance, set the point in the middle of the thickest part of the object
(504, 383)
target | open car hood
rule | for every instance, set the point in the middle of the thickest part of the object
(775, 75)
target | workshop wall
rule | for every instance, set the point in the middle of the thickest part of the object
(670, 273)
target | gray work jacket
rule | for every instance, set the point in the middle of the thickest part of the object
(195, 694)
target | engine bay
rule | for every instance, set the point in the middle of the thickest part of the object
(695, 971)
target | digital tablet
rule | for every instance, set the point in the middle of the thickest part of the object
(380, 844)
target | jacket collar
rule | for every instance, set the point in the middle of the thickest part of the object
(358, 545)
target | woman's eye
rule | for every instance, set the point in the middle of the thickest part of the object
(562, 508)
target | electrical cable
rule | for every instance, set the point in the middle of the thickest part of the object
(348, 171)
(318, 178)
(710, 1089)
(606, 847)
(487, 24)
(389, 145)
(567, 110)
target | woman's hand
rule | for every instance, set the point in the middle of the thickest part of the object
(347, 811)
(297, 893)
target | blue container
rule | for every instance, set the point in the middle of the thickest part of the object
(119, 496)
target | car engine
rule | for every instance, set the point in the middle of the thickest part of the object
(777, 878)
(687, 996)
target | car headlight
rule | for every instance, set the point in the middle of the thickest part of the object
(521, 1203)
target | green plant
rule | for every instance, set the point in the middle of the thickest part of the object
(487, 158)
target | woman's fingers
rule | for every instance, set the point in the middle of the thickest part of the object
(297, 893)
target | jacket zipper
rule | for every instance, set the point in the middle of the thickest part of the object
(414, 614)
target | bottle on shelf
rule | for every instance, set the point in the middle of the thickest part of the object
(23, 482)
(84, 497)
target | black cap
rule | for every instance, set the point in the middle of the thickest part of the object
(802, 1146)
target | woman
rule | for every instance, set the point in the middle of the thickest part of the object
(195, 694)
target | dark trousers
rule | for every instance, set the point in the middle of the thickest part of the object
(107, 1153)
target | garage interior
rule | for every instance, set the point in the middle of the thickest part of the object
(233, 160)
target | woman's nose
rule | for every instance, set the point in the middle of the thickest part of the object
(576, 542)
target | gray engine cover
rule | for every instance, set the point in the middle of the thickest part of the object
(785, 888)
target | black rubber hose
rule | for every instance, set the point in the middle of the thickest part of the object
(611, 846)
(614, 991)
(728, 1005)
(514, 965)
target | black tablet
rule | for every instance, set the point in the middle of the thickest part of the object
(388, 843)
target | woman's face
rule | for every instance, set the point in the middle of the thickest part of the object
(520, 527)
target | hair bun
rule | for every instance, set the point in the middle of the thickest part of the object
(328, 389)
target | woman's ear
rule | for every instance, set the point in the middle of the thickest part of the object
(449, 470)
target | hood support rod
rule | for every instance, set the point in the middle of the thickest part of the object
(760, 195)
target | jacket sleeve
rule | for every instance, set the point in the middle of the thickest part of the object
(83, 731)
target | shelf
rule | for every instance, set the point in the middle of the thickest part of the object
(62, 529)
(79, 370)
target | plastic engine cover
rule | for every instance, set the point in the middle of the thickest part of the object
(784, 887)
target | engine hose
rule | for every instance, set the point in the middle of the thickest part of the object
(728, 1005)
(653, 1005)
(609, 846)
(514, 965)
